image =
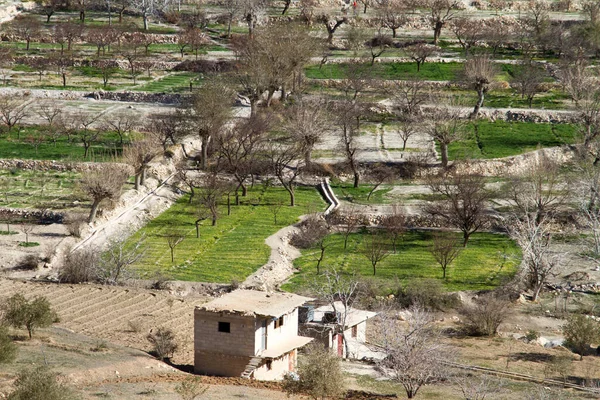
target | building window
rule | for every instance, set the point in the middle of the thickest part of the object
(355, 331)
(279, 322)
(269, 365)
(224, 327)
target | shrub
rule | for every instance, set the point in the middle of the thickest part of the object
(164, 343)
(310, 231)
(33, 314)
(580, 331)
(532, 335)
(485, 316)
(319, 375)
(40, 384)
(75, 224)
(29, 262)
(426, 293)
(191, 388)
(8, 349)
(79, 266)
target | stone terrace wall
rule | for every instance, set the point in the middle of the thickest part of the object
(50, 165)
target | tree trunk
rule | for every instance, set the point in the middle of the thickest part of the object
(286, 6)
(466, 236)
(290, 190)
(204, 161)
(145, 17)
(394, 32)
(356, 178)
(444, 151)
(136, 185)
(418, 66)
(481, 97)
(172, 254)
(64, 79)
(121, 15)
(143, 175)
(27, 48)
(94, 210)
(437, 31)
(365, 8)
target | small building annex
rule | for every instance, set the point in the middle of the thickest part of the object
(324, 323)
(248, 333)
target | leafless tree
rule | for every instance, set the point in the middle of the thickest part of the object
(377, 175)
(27, 229)
(537, 16)
(26, 27)
(103, 183)
(446, 127)
(165, 127)
(49, 7)
(173, 237)
(116, 261)
(479, 73)
(123, 124)
(307, 122)
(440, 13)
(147, 8)
(375, 249)
(485, 314)
(540, 262)
(444, 250)
(392, 14)
(405, 128)
(210, 194)
(232, 10)
(378, 45)
(539, 191)
(252, 12)
(415, 353)
(139, 154)
(107, 69)
(286, 163)
(6, 62)
(528, 79)
(50, 111)
(67, 32)
(347, 121)
(312, 232)
(239, 148)
(307, 10)
(12, 111)
(468, 32)
(331, 24)
(61, 64)
(340, 291)
(347, 222)
(586, 196)
(207, 113)
(577, 79)
(477, 387)
(464, 201)
(420, 53)
(409, 95)
(80, 124)
(394, 224)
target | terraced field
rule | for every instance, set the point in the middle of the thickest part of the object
(109, 313)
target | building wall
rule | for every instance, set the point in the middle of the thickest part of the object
(211, 363)
(276, 335)
(239, 341)
(277, 369)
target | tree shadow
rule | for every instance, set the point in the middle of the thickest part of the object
(532, 357)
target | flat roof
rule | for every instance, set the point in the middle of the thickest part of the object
(254, 302)
(354, 315)
(285, 346)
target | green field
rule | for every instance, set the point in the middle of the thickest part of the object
(44, 190)
(347, 192)
(482, 265)
(429, 71)
(231, 250)
(487, 139)
(31, 144)
(170, 83)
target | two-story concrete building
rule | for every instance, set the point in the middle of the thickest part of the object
(248, 333)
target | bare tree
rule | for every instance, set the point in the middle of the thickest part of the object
(67, 32)
(50, 112)
(405, 129)
(239, 149)
(116, 261)
(252, 12)
(139, 154)
(312, 232)
(421, 52)
(577, 79)
(468, 32)
(444, 250)
(104, 183)
(27, 229)
(232, 10)
(12, 111)
(392, 14)
(307, 122)
(286, 163)
(539, 191)
(394, 224)
(479, 73)
(173, 237)
(464, 201)
(485, 314)
(586, 195)
(528, 79)
(446, 127)
(25, 27)
(540, 262)
(347, 222)
(123, 124)
(415, 353)
(409, 95)
(340, 291)
(440, 13)
(375, 249)
(331, 24)
(210, 193)
(347, 121)
(207, 113)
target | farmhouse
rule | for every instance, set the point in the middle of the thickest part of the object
(323, 323)
(248, 333)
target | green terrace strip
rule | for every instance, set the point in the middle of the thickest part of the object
(36, 143)
(429, 71)
(171, 83)
(347, 192)
(497, 139)
(487, 261)
(231, 250)
(52, 190)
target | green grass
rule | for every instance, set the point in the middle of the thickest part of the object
(429, 71)
(170, 83)
(29, 244)
(482, 265)
(503, 139)
(23, 146)
(348, 192)
(231, 250)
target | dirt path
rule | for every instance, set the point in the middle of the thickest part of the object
(281, 262)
